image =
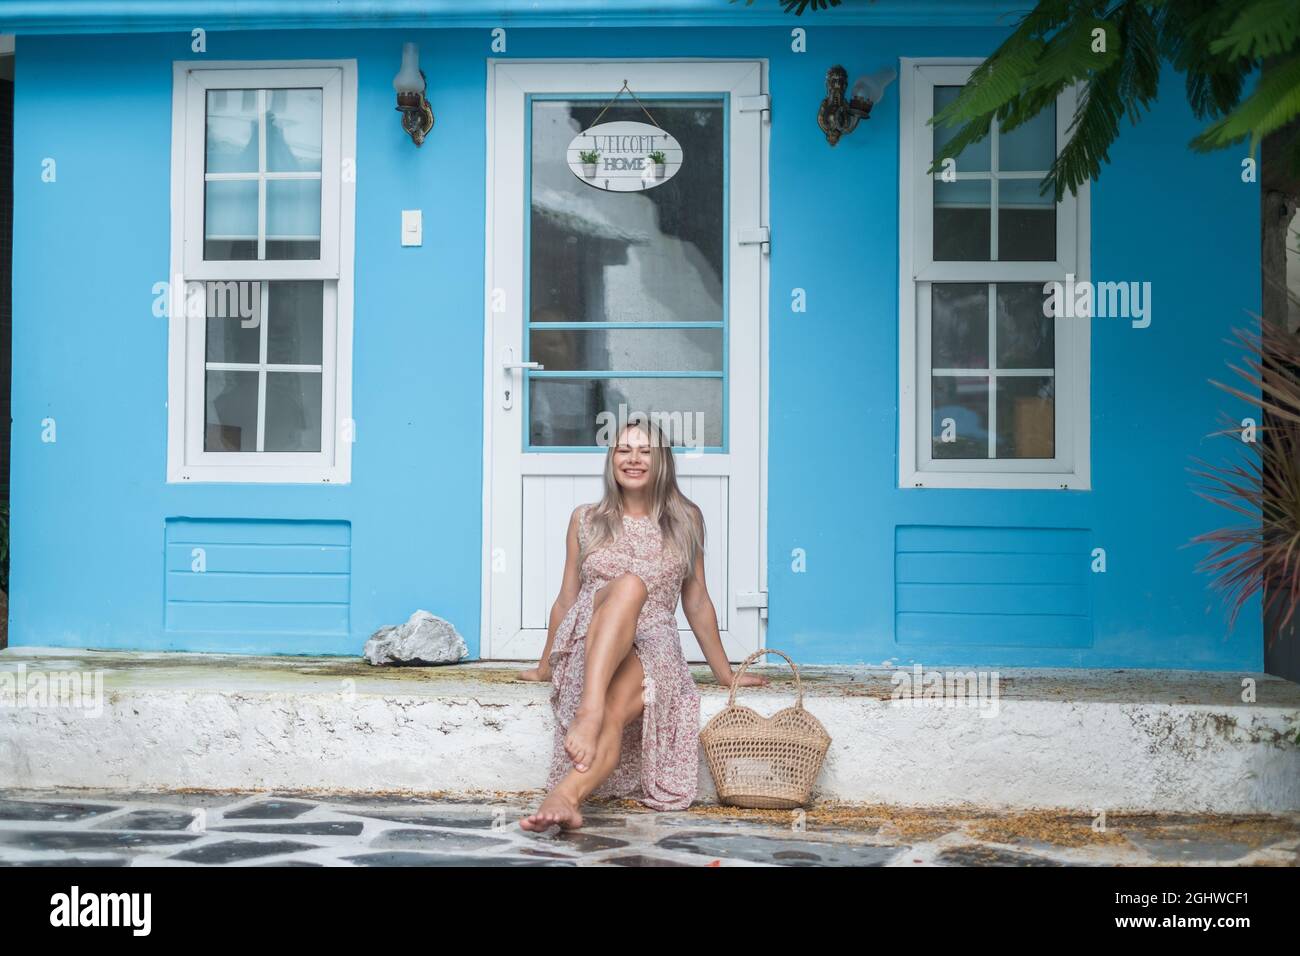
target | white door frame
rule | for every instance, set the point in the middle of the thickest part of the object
(706, 74)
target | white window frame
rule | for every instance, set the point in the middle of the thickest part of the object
(1070, 469)
(186, 459)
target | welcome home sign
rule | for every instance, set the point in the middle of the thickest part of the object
(624, 156)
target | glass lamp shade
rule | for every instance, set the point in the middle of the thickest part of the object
(408, 78)
(873, 87)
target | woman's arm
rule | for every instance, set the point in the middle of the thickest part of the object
(703, 618)
(569, 588)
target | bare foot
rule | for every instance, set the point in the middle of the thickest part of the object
(556, 808)
(535, 673)
(580, 742)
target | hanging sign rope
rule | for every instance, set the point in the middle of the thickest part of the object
(624, 156)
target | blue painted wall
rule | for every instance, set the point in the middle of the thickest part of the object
(90, 510)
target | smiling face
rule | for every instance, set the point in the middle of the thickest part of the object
(632, 462)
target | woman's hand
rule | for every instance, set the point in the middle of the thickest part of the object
(538, 673)
(747, 679)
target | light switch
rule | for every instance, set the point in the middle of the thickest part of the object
(412, 227)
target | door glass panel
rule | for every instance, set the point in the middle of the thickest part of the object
(567, 411)
(649, 266)
(622, 350)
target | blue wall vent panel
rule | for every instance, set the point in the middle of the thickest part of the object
(251, 576)
(992, 587)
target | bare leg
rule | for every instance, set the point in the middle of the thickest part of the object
(609, 639)
(623, 705)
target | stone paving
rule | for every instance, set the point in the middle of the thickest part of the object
(205, 828)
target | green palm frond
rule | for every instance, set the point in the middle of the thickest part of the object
(993, 84)
(1274, 102)
(1263, 28)
(1053, 48)
(1071, 55)
(797, 7)
(1218, 46)
(1138, 60)
(1214, 82)
(1092, 131)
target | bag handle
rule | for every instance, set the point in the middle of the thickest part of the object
(735, 681)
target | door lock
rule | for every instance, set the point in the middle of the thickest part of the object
(508, 366)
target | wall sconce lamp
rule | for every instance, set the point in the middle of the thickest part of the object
(417, 117)
(837, 116)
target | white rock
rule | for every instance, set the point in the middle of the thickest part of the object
(424, 639)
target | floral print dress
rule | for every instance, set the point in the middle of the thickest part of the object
(659, 759)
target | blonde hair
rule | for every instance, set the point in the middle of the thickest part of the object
(680, 522)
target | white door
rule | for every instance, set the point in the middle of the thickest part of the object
(622, 302)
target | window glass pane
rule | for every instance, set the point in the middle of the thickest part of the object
(648, 256)
(294, 333)
(293, 411)
(1031, 145)
(1026, 222)
(959, 325)
(564, 411)
(233, 313)
(961, 220)
(657, 350)
(1025, 336)
(230, 220)
(975, 157)
(293, 219)
(959, 426)
(231, 400)
(293, 130)
(1026, 416)
(231, 133)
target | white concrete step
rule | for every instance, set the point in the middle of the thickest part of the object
(1075, 739)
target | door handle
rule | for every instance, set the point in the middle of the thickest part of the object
(508, 367)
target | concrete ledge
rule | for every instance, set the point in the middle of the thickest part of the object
(1070, 739)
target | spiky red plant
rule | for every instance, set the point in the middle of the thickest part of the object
(1261, 556)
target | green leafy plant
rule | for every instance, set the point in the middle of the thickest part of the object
(1262, 555)
(799, 6)
(658, 157)
(1114, 50)
(589, 155)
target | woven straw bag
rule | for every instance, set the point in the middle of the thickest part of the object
(762, 762)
